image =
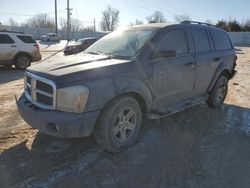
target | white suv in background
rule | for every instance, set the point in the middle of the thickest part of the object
(19, 49)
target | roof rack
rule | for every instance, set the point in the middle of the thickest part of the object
(6, 31)
(195, 22)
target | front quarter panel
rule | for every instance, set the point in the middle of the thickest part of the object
(102, 91)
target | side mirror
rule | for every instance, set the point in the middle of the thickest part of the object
(164, 54)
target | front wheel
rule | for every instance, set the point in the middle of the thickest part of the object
(119, 124)
(219, 92)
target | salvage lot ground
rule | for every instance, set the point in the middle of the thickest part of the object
(198, 147)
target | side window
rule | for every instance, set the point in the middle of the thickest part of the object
(26, 39)
(222, 41)
(174, 40)
(201, 40)
(5, 39)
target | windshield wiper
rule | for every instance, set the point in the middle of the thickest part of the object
(110, 55)
(101, 53)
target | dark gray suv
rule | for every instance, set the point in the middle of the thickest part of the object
(153, 70)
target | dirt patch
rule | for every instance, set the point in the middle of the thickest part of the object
(198, 147)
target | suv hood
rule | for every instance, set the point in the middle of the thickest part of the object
(80, 67)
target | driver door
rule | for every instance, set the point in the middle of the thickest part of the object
(174, 77)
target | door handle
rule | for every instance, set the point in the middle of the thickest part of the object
(217, 59)
(13, 46)
(189, 64)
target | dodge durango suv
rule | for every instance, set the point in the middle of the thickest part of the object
(149, 70)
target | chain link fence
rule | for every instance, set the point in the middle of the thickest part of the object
(38, 32)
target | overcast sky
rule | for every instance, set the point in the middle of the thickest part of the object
(130, 10)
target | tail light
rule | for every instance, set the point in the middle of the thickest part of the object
(37, 46)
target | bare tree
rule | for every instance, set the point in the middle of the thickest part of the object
(74, 25)
(41, 21)
(89, 28)
(182, 17)
(156, 17)
(137, 22)
(110, 19)
(12, 22)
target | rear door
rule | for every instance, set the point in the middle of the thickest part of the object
(173, 77)
(224, 50)
(27, 44)
(205, 58)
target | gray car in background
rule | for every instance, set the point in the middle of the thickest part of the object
(151, 70)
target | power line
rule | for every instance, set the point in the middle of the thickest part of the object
(8, 13)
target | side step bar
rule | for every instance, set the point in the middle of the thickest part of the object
(156, 114)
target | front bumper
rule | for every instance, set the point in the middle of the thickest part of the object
(55, 123)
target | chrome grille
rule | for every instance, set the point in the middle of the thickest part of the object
(40, 91)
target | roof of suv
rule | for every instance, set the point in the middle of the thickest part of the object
(17, 32)
(184, 23)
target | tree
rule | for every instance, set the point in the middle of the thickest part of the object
(156, 17)
(89, 28)
(137, 22)
(181, 17)
(110, 19)
(12, 22)
(222, 24)
(41, 21)
(74, 25)
(246, 25)
(234, 26)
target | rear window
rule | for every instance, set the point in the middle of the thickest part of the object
(222, 41)
(201, 40)
(26, 39)
(5, 39)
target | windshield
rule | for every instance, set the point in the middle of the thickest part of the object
(80, 41)
(121, 43)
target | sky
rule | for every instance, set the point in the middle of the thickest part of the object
(130, 10)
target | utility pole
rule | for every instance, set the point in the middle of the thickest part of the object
(45, 20)
(55, 16)
(94, 25)
(68, 19)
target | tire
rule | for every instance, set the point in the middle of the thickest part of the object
(119, 124)
(22, 62)
(219, 92)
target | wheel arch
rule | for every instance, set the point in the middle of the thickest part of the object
(222, 69)
(20, 54)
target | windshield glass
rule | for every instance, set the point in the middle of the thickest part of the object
(123, 43)
(80, 41)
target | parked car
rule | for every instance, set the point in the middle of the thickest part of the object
(79, 46)
(19, 49)
(154, 69)
(51, 37)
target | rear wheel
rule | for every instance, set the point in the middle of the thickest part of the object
(219, 92)
(22, 62)
(119, 124)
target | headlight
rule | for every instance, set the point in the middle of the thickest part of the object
(72, 99)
